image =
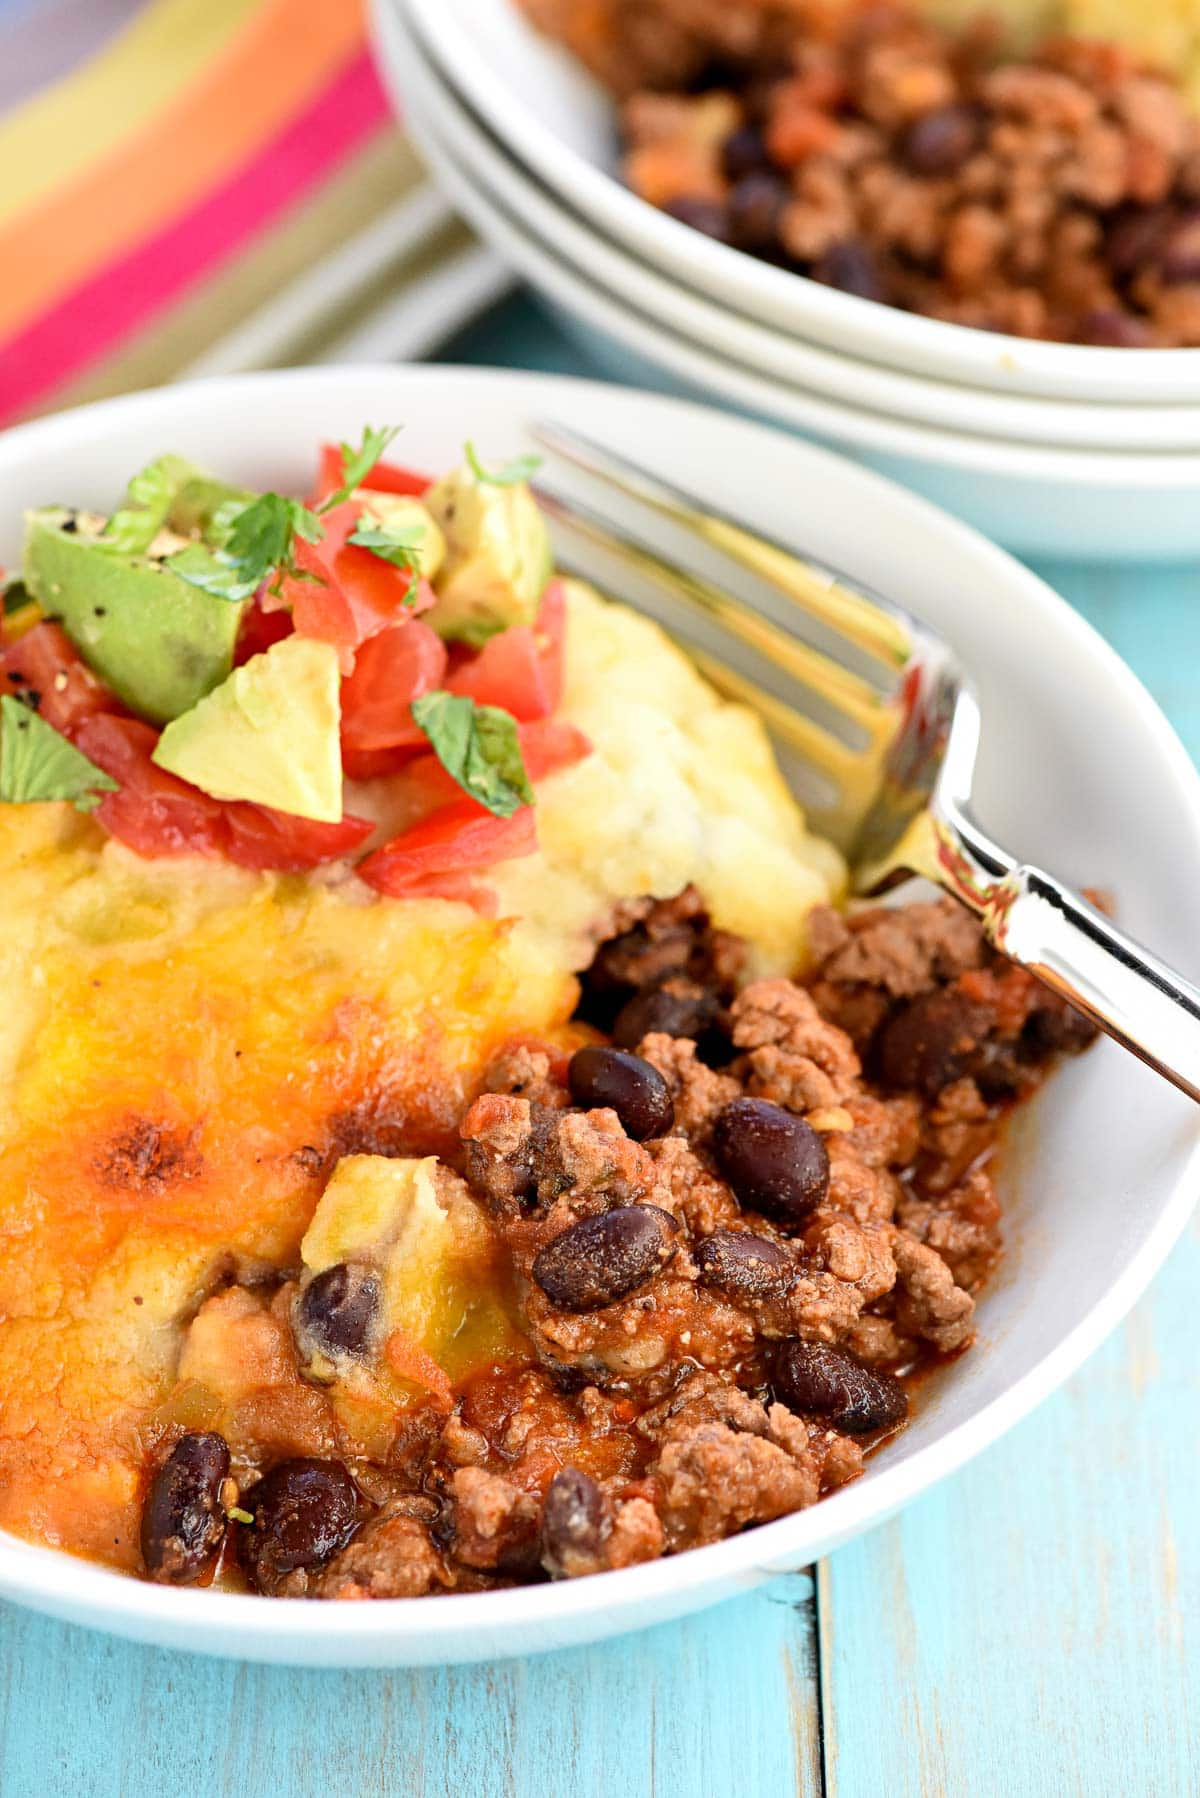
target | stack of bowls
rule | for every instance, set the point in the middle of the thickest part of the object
(1051, 448)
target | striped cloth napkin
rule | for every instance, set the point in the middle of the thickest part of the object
(198, 186)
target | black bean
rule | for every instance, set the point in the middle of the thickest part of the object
(850, 267)
(183, 1522)
(626, 1084)
(755, 205)
(933, 1041)
(601, 1259)
(575, 1523)
(706, 216)
(940, 141)
(775, 1162)
(831, 1384)
(745, 1266)
(1133, 237)
(1179, 253)
(1057, 1027)
(680, 1008)
(1113, 329)
(303, 1511)
(743, 152)
(336, 1310)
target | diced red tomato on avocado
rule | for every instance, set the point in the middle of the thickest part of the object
(44, 667)
(385, 477)
(454, 839)
(344, 595)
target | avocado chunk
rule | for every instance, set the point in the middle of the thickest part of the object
(157, 641)
(270, 733)
(497, 557)
(406, 518)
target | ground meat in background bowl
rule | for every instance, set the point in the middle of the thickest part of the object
(734, 1244)
(1056, 196)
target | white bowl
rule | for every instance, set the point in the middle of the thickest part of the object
(1040, 500)
(560, 125)
(761, 348)
(1079, 769)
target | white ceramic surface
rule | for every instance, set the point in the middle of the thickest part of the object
(1035, 499)
(821, 373)
(1078, 769)
(558, 123)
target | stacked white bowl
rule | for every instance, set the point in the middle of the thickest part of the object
(1051, 448)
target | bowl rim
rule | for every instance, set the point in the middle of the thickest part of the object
(779, 401)
(46, 1578)
(793, 303)
(1033, 423)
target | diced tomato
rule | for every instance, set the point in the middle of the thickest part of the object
(344, 594)
(385, 477)
(508, 672)
(257, 836)
(548, 744)
(153, 812)
(259, 630)
(550, 629)
(456, 838)
(390, 671)
(461, 887)
(45, 663)
(520, 669)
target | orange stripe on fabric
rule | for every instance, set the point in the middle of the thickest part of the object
(279, 60)
(140, 72)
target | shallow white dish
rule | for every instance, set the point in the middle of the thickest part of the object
(1040, 500)
(821, 373)
(1079, 769)
(559, 124)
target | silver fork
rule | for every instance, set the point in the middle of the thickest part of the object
(877, 727)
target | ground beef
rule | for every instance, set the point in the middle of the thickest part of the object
(690, 1367)
(870, 149)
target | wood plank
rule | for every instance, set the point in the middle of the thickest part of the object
(1033, 1626)
(724, 1702)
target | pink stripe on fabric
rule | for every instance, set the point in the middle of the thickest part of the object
(105, 310)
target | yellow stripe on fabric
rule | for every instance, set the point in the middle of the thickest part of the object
(373, 180)
(87, 114)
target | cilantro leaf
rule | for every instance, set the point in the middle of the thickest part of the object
(256, 540)
(479, 746)
(358, 463)
(512, 473)
(134, 526)
(37, 762)
(402, 548)
(212, 572)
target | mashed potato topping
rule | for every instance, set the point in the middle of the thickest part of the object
(682, 788)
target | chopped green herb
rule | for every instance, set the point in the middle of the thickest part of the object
(511, 475)
(256, 540)
(37, 762)
(134, 526)
(212, 572)
(402, 548)
(479, 746)
(358, 463)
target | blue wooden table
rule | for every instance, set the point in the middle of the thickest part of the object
(1031, 1629)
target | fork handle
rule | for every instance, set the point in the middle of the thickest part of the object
(1045, 927)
